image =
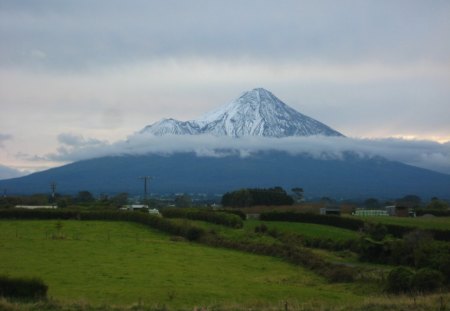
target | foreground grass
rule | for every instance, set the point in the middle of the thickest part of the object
(376, 303)
(117, 263)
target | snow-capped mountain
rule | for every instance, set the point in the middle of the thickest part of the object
(255, 113)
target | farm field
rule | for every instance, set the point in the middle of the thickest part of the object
(124, 263)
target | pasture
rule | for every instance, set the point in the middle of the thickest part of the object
(121, 263)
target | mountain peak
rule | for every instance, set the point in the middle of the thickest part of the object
(255, 113)
(260, 90)
(261, 95)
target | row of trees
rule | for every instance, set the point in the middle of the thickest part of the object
(257, 196)
(81, 198)
(410, 201)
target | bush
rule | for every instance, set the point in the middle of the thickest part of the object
(262, 228)
(236, 212)
(340, 274)
(399, 280)
(376, 231)
(427, 280)
(23, 288)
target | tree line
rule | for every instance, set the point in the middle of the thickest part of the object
(257, 196)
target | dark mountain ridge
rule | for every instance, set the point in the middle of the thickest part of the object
(351, 177)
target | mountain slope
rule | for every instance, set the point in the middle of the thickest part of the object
(352, 177)
(256, 113)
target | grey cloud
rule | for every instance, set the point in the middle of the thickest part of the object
(30, 157)
(79, 34)
(78, 141)
(3, 138)
(421, 153)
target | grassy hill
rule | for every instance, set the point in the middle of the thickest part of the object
(118, 265)
(123, 263)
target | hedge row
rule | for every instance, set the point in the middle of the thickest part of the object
(347, 223)
(220, 218)
(329, 220)
(182, 229)
(435, 212)
(292, 253)
(22, 288)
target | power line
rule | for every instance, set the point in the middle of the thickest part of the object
(146, 179)
(53, 187)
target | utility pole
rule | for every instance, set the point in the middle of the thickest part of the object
(53, 187)
(146, 179)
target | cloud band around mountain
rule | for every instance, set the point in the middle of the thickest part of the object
(422, 153)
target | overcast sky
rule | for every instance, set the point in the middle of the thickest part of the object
(101, 70)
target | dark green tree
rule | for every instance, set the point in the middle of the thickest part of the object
(372, 203)
(257, 196)
(183, 200)
(410, 200)
(399, 280)
(84, 197)
(427, 280)
(298, 194)
(120, 199)
(438, 204)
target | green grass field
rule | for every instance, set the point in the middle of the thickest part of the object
(123, 263)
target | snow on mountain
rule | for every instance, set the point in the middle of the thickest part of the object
(255, 113)
(172, 126)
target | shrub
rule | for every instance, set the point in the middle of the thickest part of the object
(399, 280)
(340, 274)
(262, 228)
(427, 280)
(23, 288)
(236, 212)
(375, 231)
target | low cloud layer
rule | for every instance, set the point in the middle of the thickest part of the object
(421, 153)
